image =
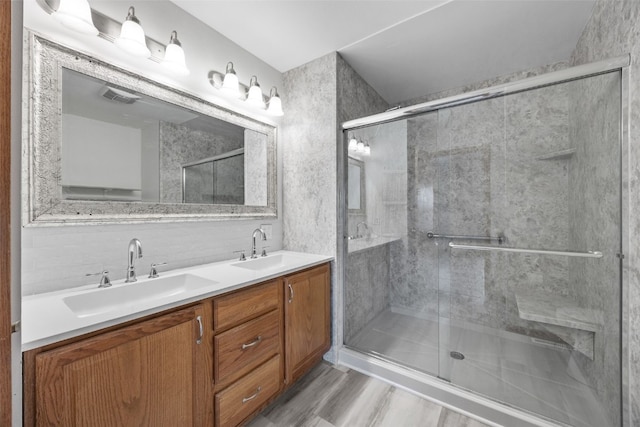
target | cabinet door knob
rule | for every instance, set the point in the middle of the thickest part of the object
(253, 396)
(200, 330)
(290, 293)
(252, 343)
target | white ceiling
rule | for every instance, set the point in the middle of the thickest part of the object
(403, 49)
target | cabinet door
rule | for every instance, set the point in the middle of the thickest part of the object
(143, 375)
(307, 320)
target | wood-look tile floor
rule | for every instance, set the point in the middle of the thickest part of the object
(331, 397)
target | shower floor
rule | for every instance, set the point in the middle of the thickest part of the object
(503, 366)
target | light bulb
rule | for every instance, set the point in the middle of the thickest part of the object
(230, 84)
(275, 104)
(254, 97)
(360, 147)
(76, 14)
(174, 56)
(367, 149)
(353, 144)
(132, 38)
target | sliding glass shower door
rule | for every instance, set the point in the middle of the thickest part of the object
(487, 252)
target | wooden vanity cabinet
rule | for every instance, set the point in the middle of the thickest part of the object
(145, 374)
(216, 362)
(248, 351)
(307, 313)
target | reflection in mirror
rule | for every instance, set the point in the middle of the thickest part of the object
(356, 190)
(120, 145)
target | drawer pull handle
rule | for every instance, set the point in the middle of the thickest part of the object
(200, 330)
(253, 396)
(290, 293)
(252, 343)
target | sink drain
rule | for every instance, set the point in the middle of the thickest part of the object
(456, 355)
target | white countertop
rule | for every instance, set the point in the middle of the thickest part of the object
(46, 318)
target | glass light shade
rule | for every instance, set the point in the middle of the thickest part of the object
(132, 39)
(360, 147)
(367, 150)
(76, 14)
(275, 104)
(353, 144)
(174, 57)
(254, 97)
(230, 84)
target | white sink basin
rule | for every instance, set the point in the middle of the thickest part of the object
(269, 262)
(130, 294)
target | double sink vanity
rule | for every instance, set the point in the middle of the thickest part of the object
(206, 345)
(200, 346)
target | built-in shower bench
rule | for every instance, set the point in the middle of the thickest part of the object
(562, 316)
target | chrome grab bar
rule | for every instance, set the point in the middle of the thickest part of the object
(589, 254)
(432, 235)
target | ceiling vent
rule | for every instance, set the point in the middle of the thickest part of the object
(119, 95)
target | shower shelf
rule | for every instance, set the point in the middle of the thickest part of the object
(558, 155)
(575, 325)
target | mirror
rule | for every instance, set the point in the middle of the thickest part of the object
(107, 145)
(356, 203)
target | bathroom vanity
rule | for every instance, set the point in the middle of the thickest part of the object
(216, 358)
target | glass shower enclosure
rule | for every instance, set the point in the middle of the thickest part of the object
(487, 247)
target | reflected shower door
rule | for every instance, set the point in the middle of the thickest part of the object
(537, 328)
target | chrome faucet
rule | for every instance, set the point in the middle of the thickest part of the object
(358, 235)
(253, 240)
(134, 252)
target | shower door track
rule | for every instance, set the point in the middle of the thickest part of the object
(543, 80)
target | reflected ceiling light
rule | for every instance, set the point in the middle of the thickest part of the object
(367, 149)
(360, 147)
(275, 104)
(230, 84)
(76, 14)
(353, 143)
(255, 97)
(174, 56)
(132, 38)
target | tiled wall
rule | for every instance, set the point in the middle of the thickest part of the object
(319, 96)
(613, 31)
(56, 258)
(367, 287)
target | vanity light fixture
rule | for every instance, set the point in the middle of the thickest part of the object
(174, 56)
(367, 149)
(230, 84)
(255, 97)
(275, 104)
(76, 14)
(132, 38)
(360, 147)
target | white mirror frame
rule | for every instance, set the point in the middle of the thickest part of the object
(42, 117)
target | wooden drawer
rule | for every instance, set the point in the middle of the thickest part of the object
(233, 309)
(239, 350)
(245, 396)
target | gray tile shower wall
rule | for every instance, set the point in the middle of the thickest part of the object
(367, 287)
(319, 96)
(613, 30)
(471, 171)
